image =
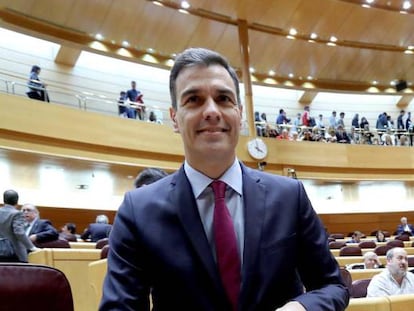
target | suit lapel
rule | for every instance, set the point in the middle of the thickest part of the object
(254, 196)
(183, 198)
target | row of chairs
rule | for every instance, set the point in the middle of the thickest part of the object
(356, 250)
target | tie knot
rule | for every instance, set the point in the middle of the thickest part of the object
(219, 189)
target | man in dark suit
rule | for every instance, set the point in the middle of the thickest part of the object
(405, 227)
(167, 237)
(38, 230)
(98, 230)
(12, 227)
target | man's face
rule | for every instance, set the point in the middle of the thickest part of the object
(398, 264)
(29, 213)
(133, 85)
(208, 115)
(404, 221)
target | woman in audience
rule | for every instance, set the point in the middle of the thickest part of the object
(380, 236)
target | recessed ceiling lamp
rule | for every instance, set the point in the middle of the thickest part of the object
(185, 5)
(313, 36)
(369, 1)
(293, 32)
(291, 75)
(157, 3)
(98, 36)
(406, 5)
(252, 70)
(272, 72)
(125, 44)
(375, 82)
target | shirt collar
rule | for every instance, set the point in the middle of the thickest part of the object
(232, 177)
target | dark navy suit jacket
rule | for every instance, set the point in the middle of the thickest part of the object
(400, 229)
(96, 231)
(158, 242)
(44, 231)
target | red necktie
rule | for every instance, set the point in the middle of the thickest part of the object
(226, 244)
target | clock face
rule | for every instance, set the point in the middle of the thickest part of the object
(257, 148)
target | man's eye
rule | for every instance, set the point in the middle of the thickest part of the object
(192, 99)
(224, 99)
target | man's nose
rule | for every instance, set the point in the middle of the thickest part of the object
(211, 108)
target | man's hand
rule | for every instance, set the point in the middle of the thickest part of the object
(292, 306)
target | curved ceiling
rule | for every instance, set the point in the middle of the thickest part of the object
(373, 43)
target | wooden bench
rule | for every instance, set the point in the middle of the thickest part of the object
(369, 304)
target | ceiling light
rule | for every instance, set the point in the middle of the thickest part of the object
(408, 52)
(293, 32)
(150, 50)
(310, 78)
(125, 44)
(183, 11)
(313, 36)
(185, 5)
(406, 5)
(291, 75)
(290, 37)
(369, 1)
(333, 39)
(272, 72)
(374, 82)
(331, 44)
(157, 3)
(252, 70)
(98, 36)
(410, 47)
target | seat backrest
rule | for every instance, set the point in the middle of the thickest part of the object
(350, 251)
(403, 237)
(359, 288)
(410, 261)
(104, 251)
(395, 243)
(346, 277)
(26, 286)
(336, 244)
(101, 243)
(59, 243)
(382, 250)
(337, 235)
(367, 244)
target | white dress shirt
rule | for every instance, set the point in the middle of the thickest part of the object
(205, 201)
(383, 284)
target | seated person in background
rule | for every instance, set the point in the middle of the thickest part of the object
(68, 232)
(38, 230)
(380, 236)
(356, 237)
(371, 261)
(405, 227)
(148, 176)
(98, 230)
(394, 280)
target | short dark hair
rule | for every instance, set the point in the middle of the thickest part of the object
(148, 176)
(71, 227)
(10, 197)
(35, 68)
(199, 56)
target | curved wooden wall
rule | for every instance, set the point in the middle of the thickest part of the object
(35, 127)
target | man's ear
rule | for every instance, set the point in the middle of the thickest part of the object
(173, 114)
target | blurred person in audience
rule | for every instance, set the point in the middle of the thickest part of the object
(400, 121)
(284, 135)
(296, 123)
(122, 105)
(281, 118)
(37, 88)
(68, 232)
(364, 123)
(260, 126)
(148, 176)
(132, 95)
(355, 121)
(380, 236)
(409, 127)
(332, 120)
(38, 230)
(341, 120)
(405, 227)
(330, 135)
(404, 141)
(153, 118)
(164, 243)
(295, 136)
(356, 237)
(341, 135)
(320, 123)
(12, 228)
(371, 261)
(306, 118)
(394, 280)
(98, 230)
